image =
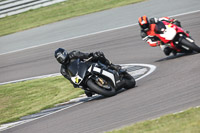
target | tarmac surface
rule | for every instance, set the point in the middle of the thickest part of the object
(173, 87)
(95, 22)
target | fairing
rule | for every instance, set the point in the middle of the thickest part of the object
(77, 71)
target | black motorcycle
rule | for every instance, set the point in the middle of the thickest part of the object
(99, 78)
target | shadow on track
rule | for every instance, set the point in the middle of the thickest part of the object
(180, 55)
(99, 97)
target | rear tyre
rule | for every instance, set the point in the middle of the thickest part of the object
(99, 90)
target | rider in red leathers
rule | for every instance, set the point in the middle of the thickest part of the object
(148, 32)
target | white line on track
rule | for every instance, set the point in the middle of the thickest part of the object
(8, 126)
(108, 30)
(14, 124)
(151, 70)
(37, 77)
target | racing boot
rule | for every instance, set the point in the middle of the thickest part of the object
(174, 52)
(176, 22)
(167, 51)
(88, 93)
(187, 32)
(115, 67)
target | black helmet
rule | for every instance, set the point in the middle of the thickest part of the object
(62, 56)
(160, 27)
(144, 23)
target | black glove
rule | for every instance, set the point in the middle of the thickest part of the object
(143, 34)
(176, 22)
(98, 54)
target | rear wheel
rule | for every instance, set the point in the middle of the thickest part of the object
(111, 91)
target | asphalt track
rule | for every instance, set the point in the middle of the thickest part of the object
(174, 86)
(95, 22)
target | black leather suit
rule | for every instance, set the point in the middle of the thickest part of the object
(80, 55)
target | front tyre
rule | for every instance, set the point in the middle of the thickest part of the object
(129, 81)
(100, 90)
(189, 43)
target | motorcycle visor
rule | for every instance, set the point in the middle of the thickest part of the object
(61, 57)
(145, 27)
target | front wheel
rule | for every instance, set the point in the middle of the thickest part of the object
(189, 43)
(129, 81)
(100, 90)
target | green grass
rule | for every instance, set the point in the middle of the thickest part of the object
(23, 98)
(28, 97)
(184, 122)
(57, 12)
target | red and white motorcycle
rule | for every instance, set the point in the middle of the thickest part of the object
(175, 37)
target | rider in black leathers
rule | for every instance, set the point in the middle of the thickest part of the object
(65, 58)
